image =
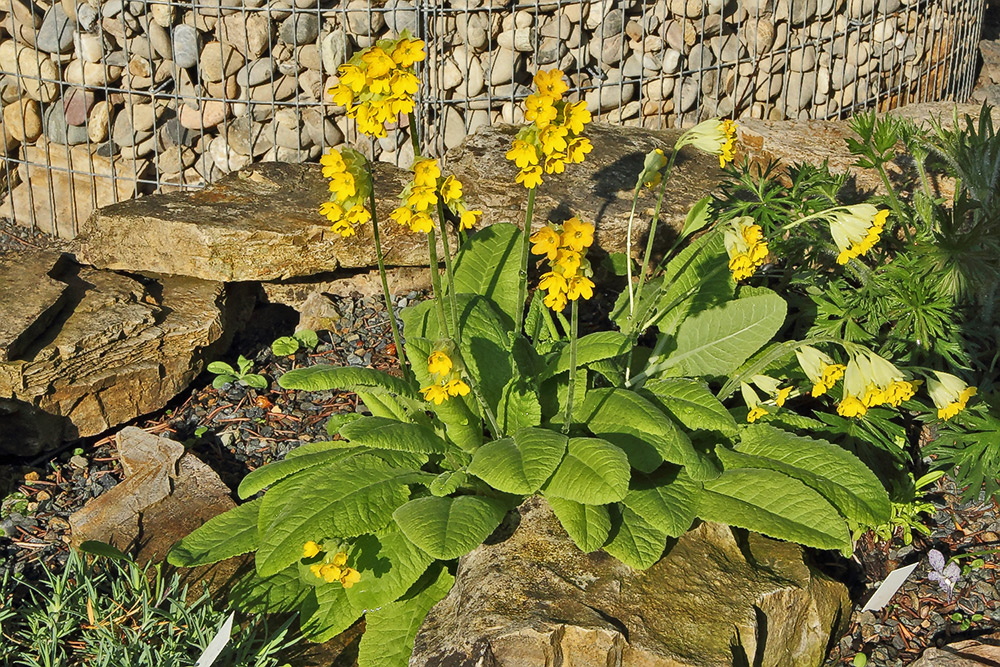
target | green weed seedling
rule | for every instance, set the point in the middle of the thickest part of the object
(226, 374)
(289, 345)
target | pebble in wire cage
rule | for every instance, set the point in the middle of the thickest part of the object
(107, 99)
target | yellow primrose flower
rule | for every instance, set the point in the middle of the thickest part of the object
(342, 95)
(851, 406)
(856, 229)
(339, 559)
(330, 573)
(872, 381)
(468, 219)
(555, 164)
(553, 139)
(744, 257)
(357, 215)
(540, 109)
(546, 242)
(773, 388)
(578, 286)
(379, 62)
(949, 393)
(451, 190)
(568, 261)
(820, 368)
(343, 228)
(435, 393)
(576, 148)
(456, 387)
(331, 210)
(652, 165)
(523, 154)
(576, 116)
(551, 83)
(310, 549)
(555, 300)
(379, 86)
(316, 569)
(530, 177)
(552, 281)
(402, 215)
(342, 184)
(403, 84)
(426, 172)
(422, 197)
(349, 577)
(408, 51)
(368, 122)
(752, 400)
(714, 136)
(577, 235)
(333, 163)
(439, 363)
(421, 222)
(353, 77)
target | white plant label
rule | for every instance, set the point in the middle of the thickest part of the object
(888, 588)
(218, 643)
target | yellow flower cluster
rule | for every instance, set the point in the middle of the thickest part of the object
(870, 381)
(378, 83)
(350, 187)
(569, 272)
(778, 395)
(949, 393)
(447, 380)
(856, 229)
(820, 368)
(746, 247)
(714, 136)
(420, 198)
(553, 138)
(332, 567)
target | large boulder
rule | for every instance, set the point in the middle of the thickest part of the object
(93, 349)
(718, 597)
(262, 223)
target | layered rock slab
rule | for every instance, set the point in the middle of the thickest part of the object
(119, 348)
(263, 224)
(718, 597)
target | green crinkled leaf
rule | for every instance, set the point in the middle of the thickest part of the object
(229, 534)
(488, 264)
(667, 500)
(338, 419)
(306, 456)
(692, 404)
(647, 435)
(389, 564)
(449, 527)
(447, 482)
(774, 504)
(701, 268)
(590, 348)
(594, 472)
(716, 341)
(833, 471)
(281, 592)
(324, 377)
(587, 525)
(519, 407)
(325, 612)
(382, 433)
(343, 500)
(520, 464)
(637, 543)
(391, 630)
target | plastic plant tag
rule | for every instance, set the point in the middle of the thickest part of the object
(218, 643)
(889, 588)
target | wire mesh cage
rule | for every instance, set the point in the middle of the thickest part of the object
(104, 100)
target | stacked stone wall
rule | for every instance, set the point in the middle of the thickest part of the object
(106, 99)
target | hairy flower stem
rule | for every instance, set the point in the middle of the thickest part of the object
(522, 274)
(570, 390)
(452, 297)
(652, 228)
(414, 139)
(397, 341)
(897, 208)
(436, 283)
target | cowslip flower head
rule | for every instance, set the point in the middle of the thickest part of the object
(564, 247)
(820, 368)
(714, 136)
(750, 397)
(378, 83)
(332, 567)
(552, 139)
(856, 229)
(745, 246)
(949, 393)
(350, 187)
(652, 166)
(310, 549)
(446, 380)
(870, 381)
(421, 195)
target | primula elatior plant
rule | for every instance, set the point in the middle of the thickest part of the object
(502, 398)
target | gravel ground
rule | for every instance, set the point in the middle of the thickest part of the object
(237, 429)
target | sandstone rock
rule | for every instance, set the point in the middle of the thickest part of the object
(116, 351)
(969, 653)
(715, 598)
(219, 61)
(30, 300)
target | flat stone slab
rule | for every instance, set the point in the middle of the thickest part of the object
(263, 224)
(29, 300)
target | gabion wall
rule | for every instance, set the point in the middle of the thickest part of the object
(106, 99)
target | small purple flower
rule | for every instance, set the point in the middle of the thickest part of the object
(947, 577)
